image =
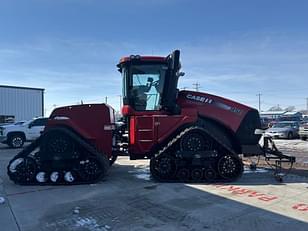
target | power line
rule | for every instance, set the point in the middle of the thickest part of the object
(196, 86)
(120, 101)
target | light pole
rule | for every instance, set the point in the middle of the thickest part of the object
(259, 96)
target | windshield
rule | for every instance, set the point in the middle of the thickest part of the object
(146, 86)
(283, 125)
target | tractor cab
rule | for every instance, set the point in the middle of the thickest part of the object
(150, 83)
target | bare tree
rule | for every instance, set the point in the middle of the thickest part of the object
(275, 108)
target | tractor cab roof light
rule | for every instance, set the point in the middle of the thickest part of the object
(134, 57)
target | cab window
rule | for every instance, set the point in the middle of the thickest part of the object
(39, 122)
(147, 82)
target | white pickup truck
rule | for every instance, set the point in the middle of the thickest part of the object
(15, 135)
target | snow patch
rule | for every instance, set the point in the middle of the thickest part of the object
(258, 170)
(90, 224)
(292, 145)
(2, 200)
(141, 172)
(76, 210)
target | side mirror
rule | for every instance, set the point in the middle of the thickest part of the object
(179, 74)
(30, 125)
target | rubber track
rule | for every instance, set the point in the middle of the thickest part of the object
(89, 148)
(201, 126)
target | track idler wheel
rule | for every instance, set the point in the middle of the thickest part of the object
(230, 167)
(90, 170)
(22, 170)
(163, 167)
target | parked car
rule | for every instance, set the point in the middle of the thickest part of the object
(289, 118)
(285, 129)
(303, 131)
(15, 135)
(272, 123)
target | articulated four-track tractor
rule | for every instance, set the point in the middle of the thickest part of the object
(188, 136)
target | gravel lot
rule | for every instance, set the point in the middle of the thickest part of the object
(130, 200)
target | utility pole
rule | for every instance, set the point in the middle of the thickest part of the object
(120, 101)
(259, 96)
(307, 104)
(106, 99)
(196, 86)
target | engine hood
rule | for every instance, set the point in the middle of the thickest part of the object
(215, 107)
(239, 118)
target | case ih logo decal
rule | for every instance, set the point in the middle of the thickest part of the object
(206, 100)
(199, 98)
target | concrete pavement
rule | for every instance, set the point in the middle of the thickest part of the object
(130, 200)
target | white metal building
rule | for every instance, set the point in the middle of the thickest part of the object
(272, 114)
(22, 103)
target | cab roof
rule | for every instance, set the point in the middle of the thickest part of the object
(158, 59)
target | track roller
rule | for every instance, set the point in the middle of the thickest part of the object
(55, 177)
(70, 177)
(183, 174)
(41, 177)
(197, 174)
(209, 175)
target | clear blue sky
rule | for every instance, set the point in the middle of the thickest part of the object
(232, 48)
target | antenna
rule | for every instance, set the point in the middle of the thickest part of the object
(259, 96)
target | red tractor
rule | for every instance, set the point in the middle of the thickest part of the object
(187, 135)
